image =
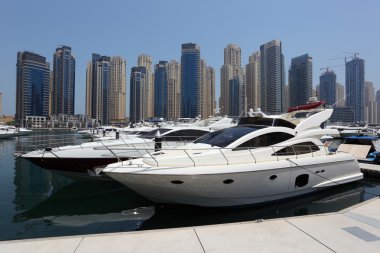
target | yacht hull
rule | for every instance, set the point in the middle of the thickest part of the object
(250, 184)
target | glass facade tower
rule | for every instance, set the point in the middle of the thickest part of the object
(300, 80)
(355, 87)
(161, 89)
(63, 90)
(32, 86)
(190, 81)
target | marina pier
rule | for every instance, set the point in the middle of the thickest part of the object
(355, 229)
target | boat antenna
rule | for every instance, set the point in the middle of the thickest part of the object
(340, 100)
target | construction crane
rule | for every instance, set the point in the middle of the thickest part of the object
(327, 68)
(353, 56)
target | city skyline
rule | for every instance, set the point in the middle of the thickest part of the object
(341, 30)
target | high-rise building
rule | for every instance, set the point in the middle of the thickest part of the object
(98, 88)
(237, 89)
(207, 92)
(252, 70)
(300, 80)
(340, 100)
(327, 87)
(1, 103)
(161, 89)
(230, 68)
(63, 90)
(377, 101)
(118, 89)
(32, 86)
(210, 98)
(286, 96)
(355, 77)
(138, 94)
(174, 90)
(370, 107)
(144, 60)
(190, 80)
(272, 77)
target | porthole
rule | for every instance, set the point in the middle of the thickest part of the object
(273, 177)
(177, 182)
(302, 180)
(228, 181)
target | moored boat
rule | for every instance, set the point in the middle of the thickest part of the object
(270, 158)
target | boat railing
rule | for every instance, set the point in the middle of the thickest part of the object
(223, 156)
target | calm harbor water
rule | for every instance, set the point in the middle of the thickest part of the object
(37, 203)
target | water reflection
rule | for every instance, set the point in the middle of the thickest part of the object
(331, 200)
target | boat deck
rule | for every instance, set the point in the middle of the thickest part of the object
(356, 229)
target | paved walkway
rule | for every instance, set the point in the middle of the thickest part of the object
(356, 229)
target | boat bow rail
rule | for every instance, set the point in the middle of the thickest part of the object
(214, 156)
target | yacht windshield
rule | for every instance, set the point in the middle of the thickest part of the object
(224, 137)
(152, 134)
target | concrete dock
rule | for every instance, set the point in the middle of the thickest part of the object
(370, 169)
(356, 229)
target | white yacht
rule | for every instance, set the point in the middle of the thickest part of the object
(269, 159)
(11, 131)
(89, 158)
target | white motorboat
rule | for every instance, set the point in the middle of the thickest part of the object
(89, 158)
(242, 165)
(11, 131)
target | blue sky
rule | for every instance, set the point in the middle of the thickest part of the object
(322, 28)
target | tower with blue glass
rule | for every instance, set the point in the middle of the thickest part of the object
(355, 87)
(63, 90)
(161, 89)
(32, 86)
(327, 87)
(190, 80)
(137, 93)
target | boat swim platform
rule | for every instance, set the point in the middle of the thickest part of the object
(355, 229)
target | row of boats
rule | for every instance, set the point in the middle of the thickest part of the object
(261, 158)
(11, 131)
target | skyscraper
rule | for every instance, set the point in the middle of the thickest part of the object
(98, 88)
(190, 80)
(370, 107)
(144, 60)
(272, 77)
(174, 90)
(237, 95)
(1, 103)
(340, 100)
(137, 92)
(63, 90)
(161, 89)
(118, 89)
(230, 68)
(252, 70)
(210, 104)
(32, 86)
(355, 87)
(300, 80)
(327, 87)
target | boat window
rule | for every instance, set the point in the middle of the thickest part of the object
(224, 137)
(298, 149)
(265, 140)
(184, 135)
(152, 134)
(266, 122)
